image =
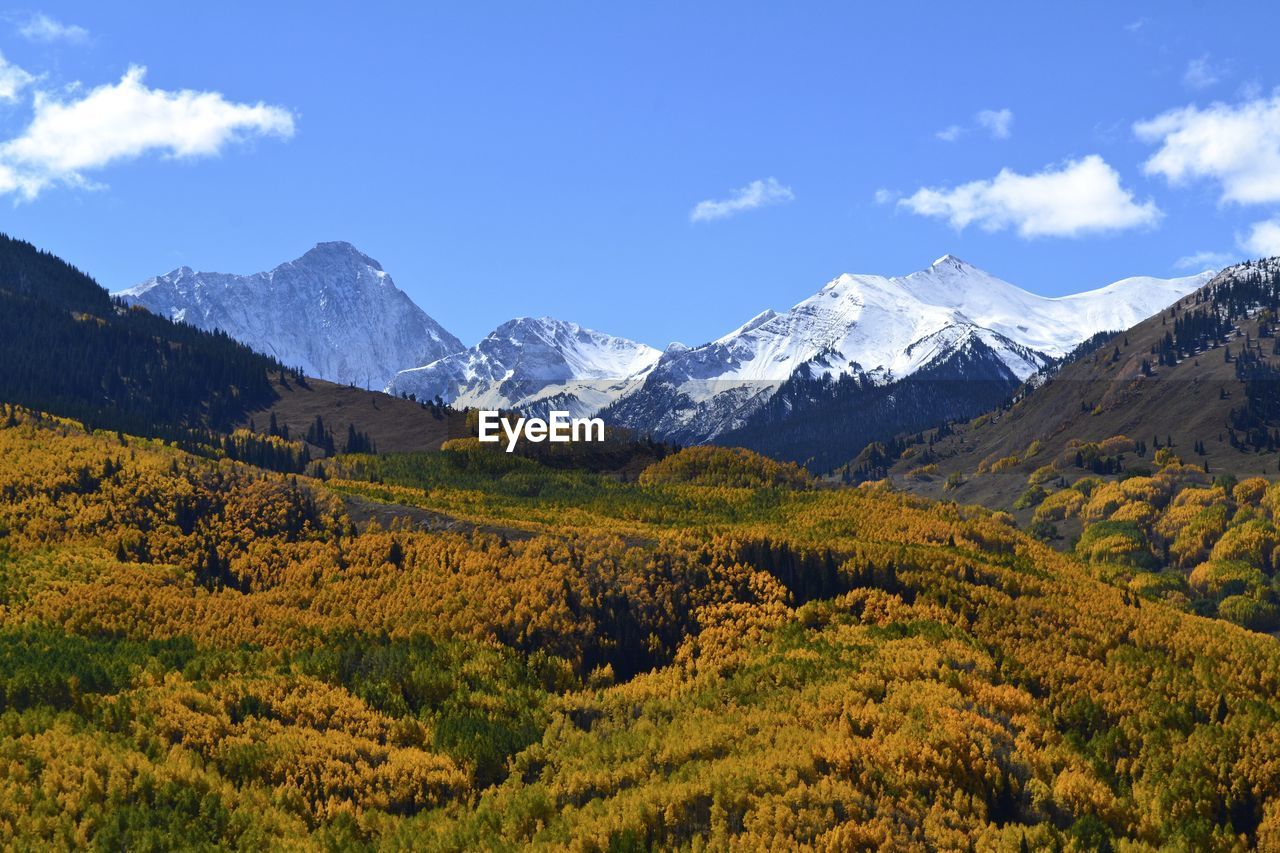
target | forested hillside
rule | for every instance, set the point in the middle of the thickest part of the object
(201, 653)
(67, 347)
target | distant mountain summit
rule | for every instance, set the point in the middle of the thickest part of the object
(334, 312)
(534, 365)
(881, 330)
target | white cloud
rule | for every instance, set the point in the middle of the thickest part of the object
(1201, 74)
(1079, 197)
(1236, 145)
(12, 80)
(1203, 261)
(885, 196)
(999, 123)
(40, 27)
(124, 121)
(1263, 238)
(1134, 26)
(753, 195)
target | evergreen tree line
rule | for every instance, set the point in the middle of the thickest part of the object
(875, 460)
(319, 435)
(436, 406)
(69, 349)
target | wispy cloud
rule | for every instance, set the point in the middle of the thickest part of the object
(761, 193)
(1204, 260)
(1238, 146)
(997, 123)
(950, 133)
(1249, 90)
(40, 27)
(1078, 197)
(67, 140)
(1134, 26)
(1201, 73)
(12, 80)
(886, 196)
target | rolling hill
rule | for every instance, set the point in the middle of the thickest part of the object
(393, 424)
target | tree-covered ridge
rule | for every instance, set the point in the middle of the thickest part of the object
(194, 651)
(43, 276)
(68, 348)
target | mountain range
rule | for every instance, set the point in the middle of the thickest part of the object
(336, 313)
(880, 330)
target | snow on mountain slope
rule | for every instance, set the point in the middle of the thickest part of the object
(883, 329)
(884, 326)
(534, 365)
(334, 312)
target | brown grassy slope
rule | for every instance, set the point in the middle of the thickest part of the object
(395, 425)
(1094, 399)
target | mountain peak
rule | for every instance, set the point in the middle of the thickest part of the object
(532, 363)
(950, 262)
(334, 312)
(338, 250)
(534, 326)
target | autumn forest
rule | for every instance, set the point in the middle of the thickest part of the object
(471, 650)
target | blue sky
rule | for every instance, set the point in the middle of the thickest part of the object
(661, 171)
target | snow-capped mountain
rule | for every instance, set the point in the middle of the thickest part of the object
(334, 312)
(534, 365)
(881, 329)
